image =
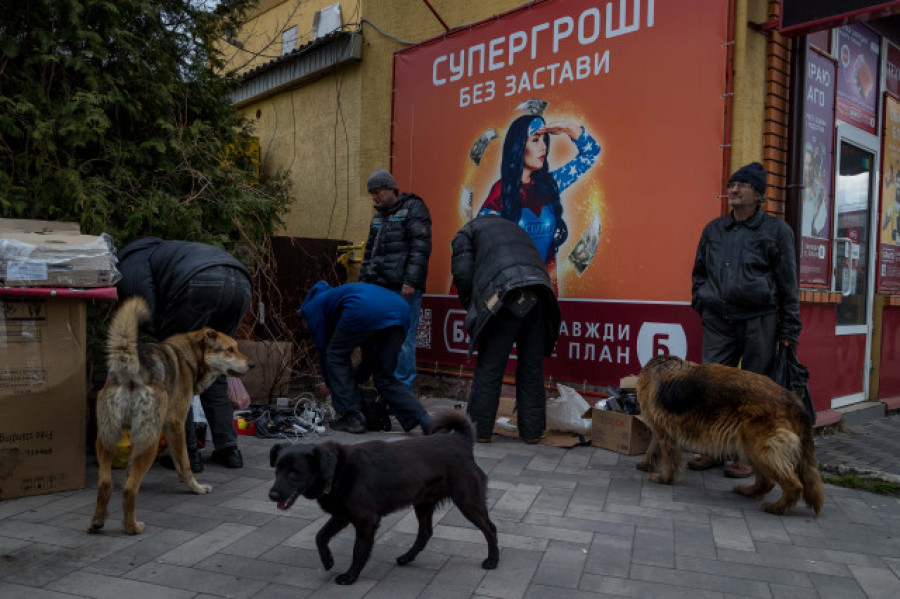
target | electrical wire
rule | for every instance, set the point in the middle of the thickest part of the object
(386, 34)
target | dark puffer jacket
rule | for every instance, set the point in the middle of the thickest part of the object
(491, 257)
(159, 270)
(746, 269)
(399, 245)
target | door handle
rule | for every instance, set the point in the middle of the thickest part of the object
(845, 269)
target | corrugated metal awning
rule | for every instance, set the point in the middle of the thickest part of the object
(303, 64)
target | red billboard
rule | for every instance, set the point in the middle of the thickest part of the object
(629, 97)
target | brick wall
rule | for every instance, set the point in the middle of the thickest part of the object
(775, 134)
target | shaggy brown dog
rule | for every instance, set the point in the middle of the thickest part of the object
(358, 484)
(151, 385)
(718, 410)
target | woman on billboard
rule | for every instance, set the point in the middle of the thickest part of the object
(528, 192)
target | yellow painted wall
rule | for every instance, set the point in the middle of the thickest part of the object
(332, 132)
(303, 133)
(259, 40)
(748, 117)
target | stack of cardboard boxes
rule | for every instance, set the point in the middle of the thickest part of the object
(47, 271)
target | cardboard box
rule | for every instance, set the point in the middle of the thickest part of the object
(35, 253)
(270, 376)
(628, 383)
(619, 432)
(43, 395)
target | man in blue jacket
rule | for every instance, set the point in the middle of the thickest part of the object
(340, 319)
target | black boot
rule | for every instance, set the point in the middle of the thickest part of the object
(166, 461)
(351, 422)
(230, 457)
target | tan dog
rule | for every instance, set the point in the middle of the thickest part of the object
(150, 386)
(719, 411)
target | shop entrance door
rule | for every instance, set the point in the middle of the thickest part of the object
(855, 188)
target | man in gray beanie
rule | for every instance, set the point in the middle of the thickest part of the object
(745, 287)
(397, 253)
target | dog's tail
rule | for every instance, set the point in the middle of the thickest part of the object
(122, 339)
(808, 472)
(453, 420)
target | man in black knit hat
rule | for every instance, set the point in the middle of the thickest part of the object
(745, 287)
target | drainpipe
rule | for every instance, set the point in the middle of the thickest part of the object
(436, 15)
(739, 66)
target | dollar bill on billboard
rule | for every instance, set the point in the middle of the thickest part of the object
(480, 145)
(533, 106)
(466, 196)
(584, 251)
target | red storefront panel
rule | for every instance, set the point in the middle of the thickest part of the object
(816, 351)
(889, 381)
(599, 342)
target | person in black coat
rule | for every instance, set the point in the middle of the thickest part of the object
(503, 283)
(396, 255)
(744, 286)
(189, 286)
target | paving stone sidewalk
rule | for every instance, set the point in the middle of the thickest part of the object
(872, 447)
(573, 523)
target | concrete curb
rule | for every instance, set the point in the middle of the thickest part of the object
(843, 469)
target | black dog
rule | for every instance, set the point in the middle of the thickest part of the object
(358, 484)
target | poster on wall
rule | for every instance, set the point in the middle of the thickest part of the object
(615, 165)
(892, 70)
(818, 174)
(858, 55)
(888, 277)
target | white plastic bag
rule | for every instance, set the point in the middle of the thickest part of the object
(564, 412)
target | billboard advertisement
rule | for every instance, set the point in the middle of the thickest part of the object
(888, 278)
(858, 55)
(626, 102)
(818, 171)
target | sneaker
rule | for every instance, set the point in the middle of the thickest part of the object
(738, 470)
(531, 440)
(351, 422)
(166, 461)
(703, 462)
(230, 457)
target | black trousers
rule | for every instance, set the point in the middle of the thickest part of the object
(216, 297)
(750, 342)
(381, 350)
(494, 346)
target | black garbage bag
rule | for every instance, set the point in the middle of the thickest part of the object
(375, 411)
(793, 376)
(630, 403)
